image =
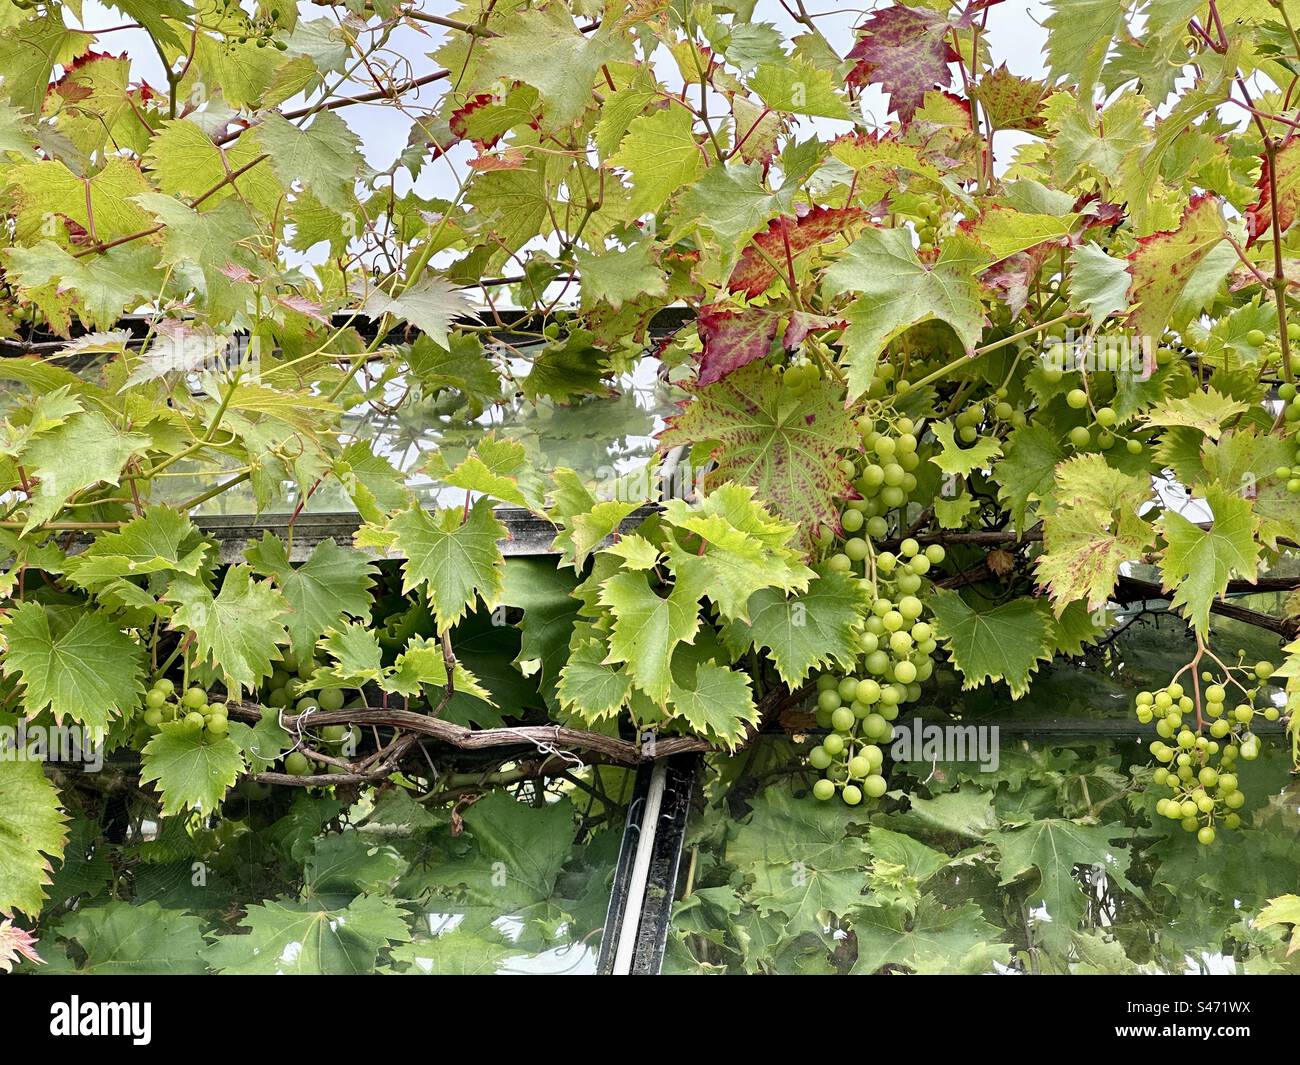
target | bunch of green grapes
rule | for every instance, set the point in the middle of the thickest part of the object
(1198, 766)
(195, 707)
(1104, 432)
(895, 641)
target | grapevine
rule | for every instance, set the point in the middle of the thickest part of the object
(423, 424)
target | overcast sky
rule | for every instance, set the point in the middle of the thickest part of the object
(1015, 37)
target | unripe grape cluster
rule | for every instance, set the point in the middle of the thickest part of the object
(194, 707)
(895, 641)
(1198, 759)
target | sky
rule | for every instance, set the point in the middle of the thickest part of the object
(1015, 37)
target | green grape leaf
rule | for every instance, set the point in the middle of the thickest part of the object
(135, 938)
(237, 630)
(432, 305)
(33, 831)
(1053, 848)
(192, 769)
(310, 938)
(324, 157)
(895, 290)
(934, 939)
(1208, 412)
(158, 541)
(1099, 282)
(1285, 909)
(85, 450)
(583, 522)
(648, 627)
(618, 277)
(796, 87)
(811, 630)
(1026, 472)
(332, 583)
(456, 557)
(1196, 564)
(802, 858)
(546, 50)
(79, 665)
(1094, 529)
(454, 953)
(1004, 642)
(496, 467)
(961, 461)
(717, 703)
(660, 153)
(590, 688)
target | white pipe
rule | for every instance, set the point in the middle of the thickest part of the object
(640, 871)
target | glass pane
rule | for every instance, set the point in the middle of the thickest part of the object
(999, 847)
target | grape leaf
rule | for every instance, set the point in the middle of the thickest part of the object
(813, 629)
(496, 467)
(1004, 642)
(896, 291)
(546, 50)
(1197, 564)
(934, 939)
(85, 450)
(311, 938)
(192, 769)
(905, 51)
(660, 153)
(618, 277)
(1054, 847)
(718, 703)
(1285, 909)
(333, 582)
(648, 627)
(1164, 265)
(732, 338)
(754, 274)
(1099, 282)
(33, 831)
(1027, 471)
(432, 304)
(79, 665)
(1208, 412)
(135, 938)
(160, 540)
(1286, 175)
(796, 87)
(1094, 529)
(589, 687)
(784, 445)
(954, 459)
(456, 557)
(324, 156)
(237, 629)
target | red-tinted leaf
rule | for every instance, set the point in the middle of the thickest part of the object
(785, 445)
(1259, 218)
(732, 339)
(1163, 263)
(802, 323)
(1095, 211)
(15, 942)
(753, 275)
(460, 117)
(1011, 102)
(905, 51)
(1012, 277)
